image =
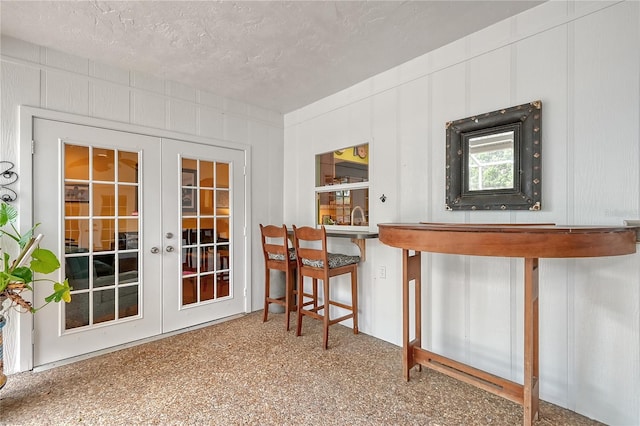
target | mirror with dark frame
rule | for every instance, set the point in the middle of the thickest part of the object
(494, 160)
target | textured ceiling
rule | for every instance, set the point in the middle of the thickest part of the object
(279, 55)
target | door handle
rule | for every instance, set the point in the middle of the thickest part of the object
(169, 249)
(155, 250)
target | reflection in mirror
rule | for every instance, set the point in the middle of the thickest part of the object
(494, 160)
(490, 162)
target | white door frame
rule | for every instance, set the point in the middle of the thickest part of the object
(24, 323)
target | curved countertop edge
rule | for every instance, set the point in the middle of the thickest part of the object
(511, 240)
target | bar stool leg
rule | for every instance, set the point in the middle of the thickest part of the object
(354, 299)
(287, 297)
(267, 293)
(300, 300)
(325, 318)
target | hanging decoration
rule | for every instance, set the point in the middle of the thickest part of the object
(7, 178)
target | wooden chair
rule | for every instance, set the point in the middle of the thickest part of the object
(278, 256)
(315, 262)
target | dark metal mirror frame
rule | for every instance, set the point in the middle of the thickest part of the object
(525, 120)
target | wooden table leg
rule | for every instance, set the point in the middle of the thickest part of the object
(531, 367)
(411, 270)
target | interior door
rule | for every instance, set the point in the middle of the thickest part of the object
(149, 231)
(97, 196)
(204, 225)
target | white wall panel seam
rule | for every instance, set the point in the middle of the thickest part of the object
(637, 344)
(571, 266)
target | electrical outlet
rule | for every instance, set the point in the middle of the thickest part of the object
(382, 272)
(634, 222)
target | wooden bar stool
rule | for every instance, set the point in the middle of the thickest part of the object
(315, 262)
(278, 256)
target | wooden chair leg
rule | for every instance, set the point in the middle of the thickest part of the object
(354, 300)
(287, 298)
(315, 294)
(325, 317)
(267, 291)
(299, 307)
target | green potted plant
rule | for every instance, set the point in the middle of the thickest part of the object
(17, 273)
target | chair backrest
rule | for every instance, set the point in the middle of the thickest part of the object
(275, 244)
(311, 246)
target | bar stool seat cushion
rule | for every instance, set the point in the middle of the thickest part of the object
(292, 255)
(336, 260)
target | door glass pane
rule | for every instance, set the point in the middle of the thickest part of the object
(222, 284)
(102, 259)
(127, 268)
(127, 234)
(104, 234)
(189, 264)
(77, 272)
(189, 164)
(207, 254)
(104, 199)
(77, 311)
(206, 174)
(222, 202)
(189, 290)
(127, 200)
(222, 228)
(205, 230)
(206, 201)
(127, 167)
(76, 197)
(222, 175)
(104, 304)
(189, 201)
(128, 301)
(77, 162)
(207, 288)
(76, 235)
(104, 271)
(103, 164)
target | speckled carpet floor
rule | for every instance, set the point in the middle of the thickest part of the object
(244, 372)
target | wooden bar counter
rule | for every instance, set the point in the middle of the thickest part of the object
(528, 241)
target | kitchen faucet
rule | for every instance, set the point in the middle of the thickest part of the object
(363, 220)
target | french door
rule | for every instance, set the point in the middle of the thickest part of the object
(204, 231)
(150, 233)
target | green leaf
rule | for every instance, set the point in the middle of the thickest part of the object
(9, 278)
(24, 239)
(6, 278)
(8, 214)
(25, 274)
(61, 291)
(44, 261)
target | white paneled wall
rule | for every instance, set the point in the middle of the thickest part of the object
(39, 77)
(582, 60)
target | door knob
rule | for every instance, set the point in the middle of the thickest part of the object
(155, 250)
(169, 235)
(169, 249)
